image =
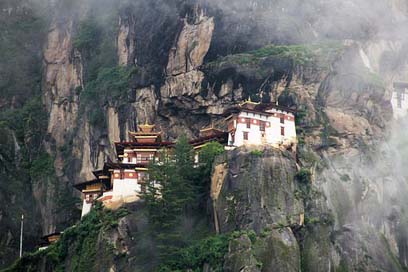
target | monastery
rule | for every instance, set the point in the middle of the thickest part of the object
(123, 181)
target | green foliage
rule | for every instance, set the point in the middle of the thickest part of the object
(209, 152)
(79, 242)
(257, 153)
(183, 186)
(88, 35)
(209, 251)
(96, 117)
(345, 178)
(20, 67)
(206, 157)
(104, 82)
(175, 174)
(343, 267)
(304, 176)
(110, 85)
(300, 54)
(300, 116)
(42, 166)
(95, 40)
(29, 121)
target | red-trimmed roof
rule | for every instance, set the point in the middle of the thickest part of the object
(120, 146)
(258, 108)
(118, 165)
(220, 137)
(82, 185)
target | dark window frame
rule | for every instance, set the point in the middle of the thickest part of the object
(282, 119)
(246, 135)
(262, 126)
(248, 122)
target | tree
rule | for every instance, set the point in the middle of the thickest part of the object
(169, 193)
(175, 186)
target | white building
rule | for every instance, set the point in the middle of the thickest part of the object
(261, 124)
(127, 184)
(92, 190)
(399, 100)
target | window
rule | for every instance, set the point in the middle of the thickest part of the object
(283, 131)
(245, 135)
(248, 123)
(262, 126)
(400, 98)
(282, 119)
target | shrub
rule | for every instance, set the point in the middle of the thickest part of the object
(88, 35)
(42, 166)
(80, 240)
(298, 54)
(257, 153)
(304, 176)
(210, 250)
(345, 178)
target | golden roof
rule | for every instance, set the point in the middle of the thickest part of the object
(249, 101)
(146, 128)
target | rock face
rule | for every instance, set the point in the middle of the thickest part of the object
(188, 70)
(192, 44)
(256, 190)
(62, 77)
(63, 74)
(126, 43)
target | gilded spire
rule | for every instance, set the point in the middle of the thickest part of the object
(146, 128)
(249, 101)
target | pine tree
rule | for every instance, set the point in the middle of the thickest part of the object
(169, 193)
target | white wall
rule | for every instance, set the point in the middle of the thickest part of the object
(86, 208)
(402, 111)
(127, 186)
(272, 133)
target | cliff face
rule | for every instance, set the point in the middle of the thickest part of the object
(257, 191)
(187, 63)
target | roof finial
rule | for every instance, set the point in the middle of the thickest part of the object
(249, 99)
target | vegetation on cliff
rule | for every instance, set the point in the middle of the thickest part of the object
(302, 54)
(79, 246)
(183, 189)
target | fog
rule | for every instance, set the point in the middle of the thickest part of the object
(375, 189)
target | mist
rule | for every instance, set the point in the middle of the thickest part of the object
(365, 180)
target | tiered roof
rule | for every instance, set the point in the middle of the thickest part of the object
(145, 138)
(146, 135)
